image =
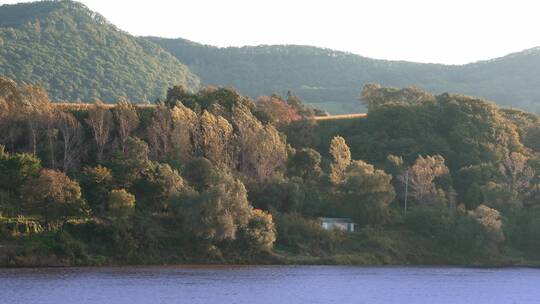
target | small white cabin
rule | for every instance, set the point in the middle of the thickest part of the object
(343, 224)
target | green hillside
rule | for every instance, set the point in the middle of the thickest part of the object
(77, 55)
(332, 80)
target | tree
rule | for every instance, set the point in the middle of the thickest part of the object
(279, 112)
(302, 133)
(368, 193)
(15, 170)
(214, 140)
(201, 173)
(159, 132)
(342, 159)
(422, 176)
(54, 196)
(50, 118)
(36, 106)
(305, 163)
(185, 125)
(72, 137)
(33, 106)
(263, 150)
(127, 120)
(10, 118)
(220, 211)
(121, 203)
(96, 183)
(157, 185)
(284, 195)
(260, 233)
(469, 182)
(128, 167)
(517, 175)
(100, 121)
(374, 95)
(306, 112)
(491, 221)
(180, 95)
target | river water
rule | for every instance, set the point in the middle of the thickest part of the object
(273, 284)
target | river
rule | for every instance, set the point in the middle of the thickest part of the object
(270, 284)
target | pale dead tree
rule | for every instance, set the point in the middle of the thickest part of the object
(72, 138)
(100, 121)
(185, 125)
(127, 120)
(51, 134)
(159, 132)
(421, 178)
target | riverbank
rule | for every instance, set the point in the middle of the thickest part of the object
(359, 249)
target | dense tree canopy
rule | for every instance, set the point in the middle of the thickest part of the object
(208, 177)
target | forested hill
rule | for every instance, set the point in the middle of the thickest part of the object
(332, 79)
(77, 55)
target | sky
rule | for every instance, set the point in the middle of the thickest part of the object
(436, 31)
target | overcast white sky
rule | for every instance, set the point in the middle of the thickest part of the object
(451, 31)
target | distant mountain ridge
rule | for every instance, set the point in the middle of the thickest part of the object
(76, 54)
(332, 79)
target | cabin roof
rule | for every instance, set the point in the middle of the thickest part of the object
(336, 219)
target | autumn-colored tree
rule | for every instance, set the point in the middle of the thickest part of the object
(342, 159)
(214, 140)
(491, 221)
(305, 111)
(121, 203)
(262, 149)
(278, 111)
(159, 132)
(127, 120)
(100, 121)
(54, 196)
(421, 179)
(183, 134)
